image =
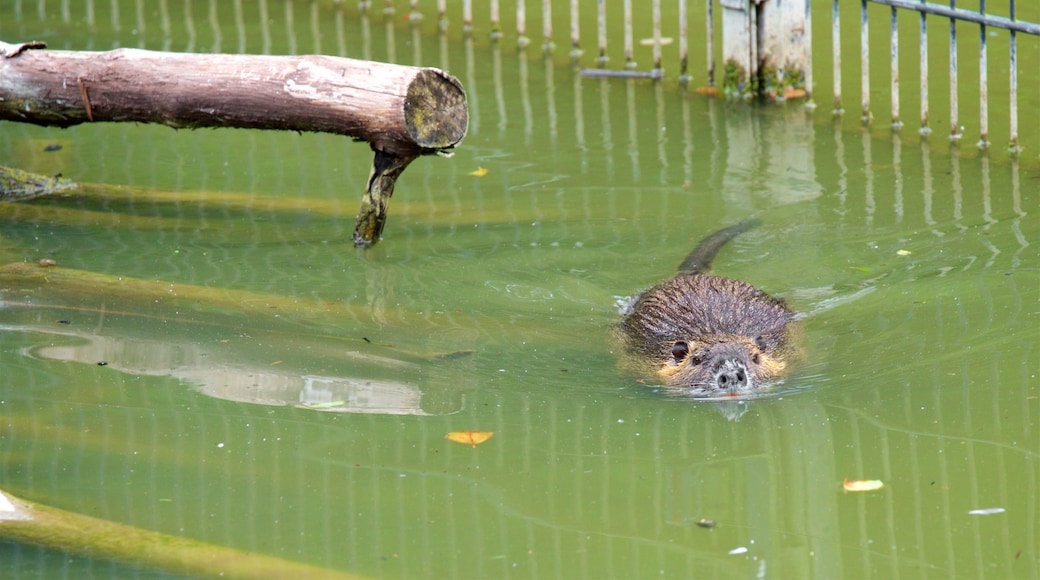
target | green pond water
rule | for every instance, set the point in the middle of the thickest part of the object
(267, 387)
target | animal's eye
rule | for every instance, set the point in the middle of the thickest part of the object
(679, 350)
(761, 343)
(755, 358)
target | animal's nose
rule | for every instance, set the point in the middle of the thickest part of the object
(732, 376)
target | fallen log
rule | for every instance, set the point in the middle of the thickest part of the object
(18, 185)
(402, 112)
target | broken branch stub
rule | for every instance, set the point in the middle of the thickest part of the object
(386, 168)
(402, 111)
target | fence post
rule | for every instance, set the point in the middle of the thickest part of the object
(784, 47)
(740, 67)
(766, 47)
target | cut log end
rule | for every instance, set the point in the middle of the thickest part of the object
(435, 110)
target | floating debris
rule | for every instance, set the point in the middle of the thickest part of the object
(862, 484)
(986, 511)
(664, 41)
(327, 405)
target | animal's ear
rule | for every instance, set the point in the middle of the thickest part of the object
(679, 350)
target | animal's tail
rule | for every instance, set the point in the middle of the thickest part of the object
(701, 257)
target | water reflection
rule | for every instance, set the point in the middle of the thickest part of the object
(246, 384)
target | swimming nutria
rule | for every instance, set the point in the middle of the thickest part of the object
(705, 334)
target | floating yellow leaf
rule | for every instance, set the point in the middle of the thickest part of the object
(902, 252)
(473, 438)
(862, 484)
(479, 172)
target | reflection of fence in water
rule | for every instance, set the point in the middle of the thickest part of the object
(776, 485)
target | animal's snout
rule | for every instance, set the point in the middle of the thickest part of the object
(732, 376)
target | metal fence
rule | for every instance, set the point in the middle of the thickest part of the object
(955, 15)
(745, 27)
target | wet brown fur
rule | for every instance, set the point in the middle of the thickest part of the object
(688, 328)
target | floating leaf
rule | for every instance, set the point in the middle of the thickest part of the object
(987, 511)
(473, 438)
(862, 484)
(479, 172)
(902, 252)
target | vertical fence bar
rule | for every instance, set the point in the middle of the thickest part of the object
(575, 30)
(629, 49)
(442, 14)
(684, 47)
(836, 50)
(495, 15)
(467, 16)
(955, 131)
(657, 34)
(894, 45)
(864, 49)
(983, 84)
(521, 23)
(711, 43)
(547, 30)
(925, 129)
(754, 69)
(164, 26)
(1013, 88)
(240, 26)
(265, 30)
(809, 102)
(601, 26)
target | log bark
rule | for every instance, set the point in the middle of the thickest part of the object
(399, 109)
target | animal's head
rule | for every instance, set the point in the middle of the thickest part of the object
(725, 366)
